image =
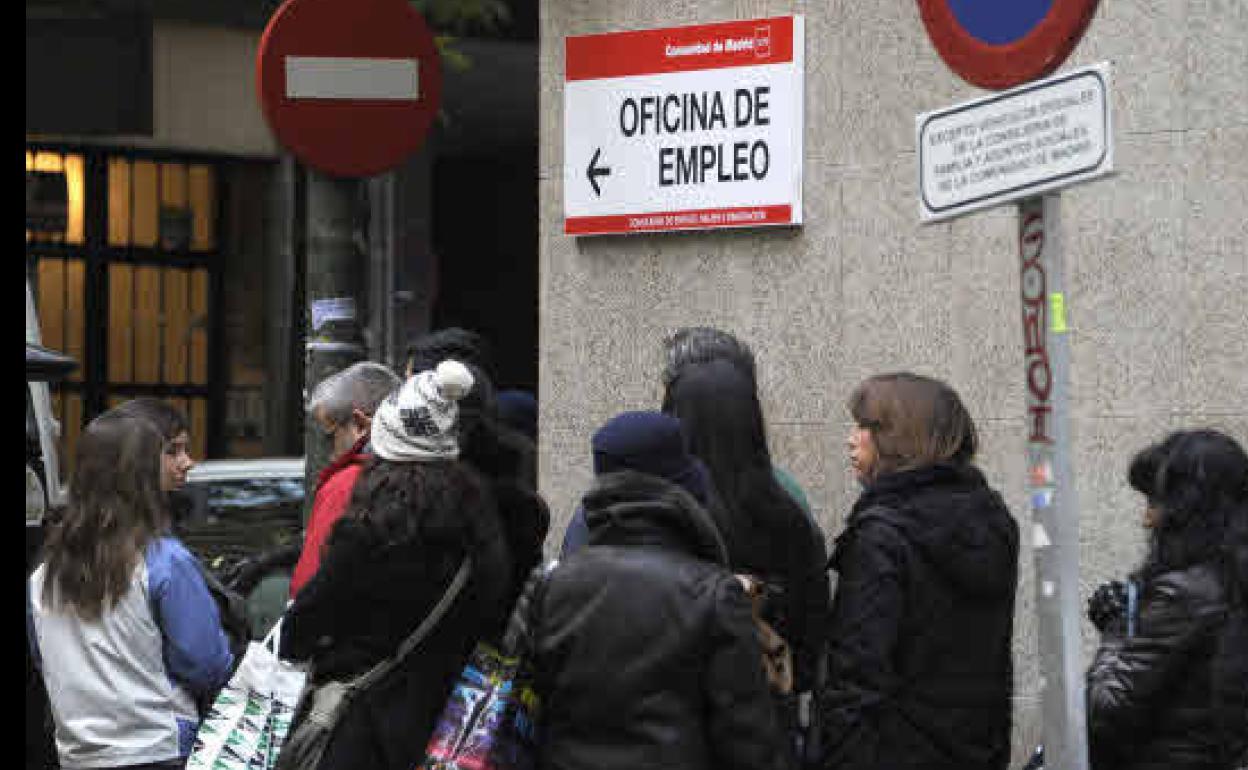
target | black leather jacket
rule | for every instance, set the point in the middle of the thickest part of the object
(1150, 697)
(645, 647)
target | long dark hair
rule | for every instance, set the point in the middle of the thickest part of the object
(445, 508)
(1197, 480)
(395, 502)
(722, 420)
(113, 511)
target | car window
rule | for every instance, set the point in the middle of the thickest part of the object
(228, 522)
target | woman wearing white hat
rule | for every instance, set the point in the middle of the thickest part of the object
(419, 522)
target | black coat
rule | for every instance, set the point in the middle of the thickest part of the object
(920, 668)
(645, 646)
(790, 556)
(368, 596)
(508, 461)
(1151, 702)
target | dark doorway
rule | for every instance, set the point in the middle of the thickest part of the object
(485, 238)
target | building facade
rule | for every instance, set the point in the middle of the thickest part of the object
(1156, 255)
(167, 232)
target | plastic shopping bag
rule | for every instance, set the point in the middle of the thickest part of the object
(488, 722)
(250, 717)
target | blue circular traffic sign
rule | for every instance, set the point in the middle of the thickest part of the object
(1000, 43)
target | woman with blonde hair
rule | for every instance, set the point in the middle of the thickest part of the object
(920, 670)
(121, 609)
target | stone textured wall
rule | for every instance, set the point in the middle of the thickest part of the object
(1157, 268)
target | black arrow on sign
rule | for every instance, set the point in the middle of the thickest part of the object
(592, 172)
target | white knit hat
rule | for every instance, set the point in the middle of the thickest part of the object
(416, 423)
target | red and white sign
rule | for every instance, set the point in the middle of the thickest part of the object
(686, 128)
(349, 87)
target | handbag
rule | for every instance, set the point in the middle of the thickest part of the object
(249, 718)
(490, 719)
(777, 656)
(321, 707)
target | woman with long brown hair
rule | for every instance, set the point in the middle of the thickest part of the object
(119, 612)
(920, 670)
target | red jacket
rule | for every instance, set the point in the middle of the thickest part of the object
(333, 494)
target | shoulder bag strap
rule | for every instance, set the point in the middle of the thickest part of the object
(384, 667)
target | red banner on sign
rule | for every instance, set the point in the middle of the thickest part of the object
(680, 49)
(745, 216)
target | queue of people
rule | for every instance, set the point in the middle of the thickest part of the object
(691, 620)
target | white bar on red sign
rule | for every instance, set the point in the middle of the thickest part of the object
(345, 78)
(684, 128)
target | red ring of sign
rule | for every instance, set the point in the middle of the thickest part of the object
(1032, 56)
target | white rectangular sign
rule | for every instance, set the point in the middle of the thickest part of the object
(330, 77)
(1016, 144)
(685, 128)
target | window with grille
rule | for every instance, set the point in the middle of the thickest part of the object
(122, 254)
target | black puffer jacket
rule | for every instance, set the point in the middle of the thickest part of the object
(368, 596)
(920, 669)
(645, 647)
(1151, 702)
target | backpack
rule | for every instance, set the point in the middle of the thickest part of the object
(777, 655)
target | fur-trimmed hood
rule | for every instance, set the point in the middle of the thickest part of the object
(637, 509)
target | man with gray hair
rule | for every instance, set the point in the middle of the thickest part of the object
(343, 405)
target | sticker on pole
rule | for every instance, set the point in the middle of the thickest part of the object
(685, 128)
(1034, 139)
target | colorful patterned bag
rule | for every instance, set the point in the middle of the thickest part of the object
(490, 720)
(251, 715)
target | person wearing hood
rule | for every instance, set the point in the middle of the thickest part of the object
(645, 442)
(645, 651)
(920, 667)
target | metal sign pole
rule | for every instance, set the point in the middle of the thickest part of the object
(1050, 484)
(335, 285)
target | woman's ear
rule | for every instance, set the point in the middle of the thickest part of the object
(362, 421)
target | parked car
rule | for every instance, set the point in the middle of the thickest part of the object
(243, 519)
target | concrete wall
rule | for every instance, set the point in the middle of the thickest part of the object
(1157, 267)
(204, 90)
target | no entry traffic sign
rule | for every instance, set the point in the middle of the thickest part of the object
(1003, 43)
(349, 87)
(684, 128)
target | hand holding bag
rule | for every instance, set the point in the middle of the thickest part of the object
(251, 715)
(490, 719)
